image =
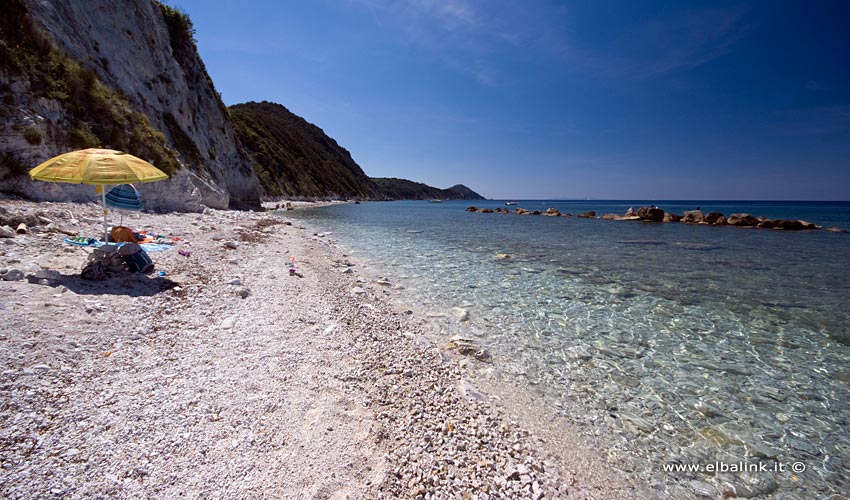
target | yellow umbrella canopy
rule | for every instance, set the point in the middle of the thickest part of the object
(97, 166)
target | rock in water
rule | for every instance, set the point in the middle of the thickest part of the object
(714, 217)
(745, 220)
(693, 216)
(651, 213)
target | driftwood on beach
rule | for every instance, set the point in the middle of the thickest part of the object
(655, 214)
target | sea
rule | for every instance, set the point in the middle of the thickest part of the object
(706, 360)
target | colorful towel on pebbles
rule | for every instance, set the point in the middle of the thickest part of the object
(94, 243)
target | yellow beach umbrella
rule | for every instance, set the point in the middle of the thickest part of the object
(101, 167)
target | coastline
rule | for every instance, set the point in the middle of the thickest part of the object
(311, 386)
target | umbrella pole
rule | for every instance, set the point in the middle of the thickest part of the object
(103, 202)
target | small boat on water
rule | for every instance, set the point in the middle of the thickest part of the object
(510, 203)
(435, 201)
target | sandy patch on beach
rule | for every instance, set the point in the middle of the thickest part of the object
(229, 378)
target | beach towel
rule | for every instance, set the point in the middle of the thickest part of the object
(93, 243)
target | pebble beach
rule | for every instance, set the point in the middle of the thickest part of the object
(223, 375)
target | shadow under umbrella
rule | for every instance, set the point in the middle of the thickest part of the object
(130, 284)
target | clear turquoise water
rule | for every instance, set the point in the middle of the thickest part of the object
(676, 343)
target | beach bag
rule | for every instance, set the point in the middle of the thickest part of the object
(95, 270)
(137, 260)
(123, 234)
(110, 258)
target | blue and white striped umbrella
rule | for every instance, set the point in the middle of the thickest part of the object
(124, 196)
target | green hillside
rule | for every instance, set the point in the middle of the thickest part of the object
(294, 157)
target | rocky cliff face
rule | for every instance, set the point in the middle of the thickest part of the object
(156, 87)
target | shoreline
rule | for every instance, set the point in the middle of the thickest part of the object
(308, 387)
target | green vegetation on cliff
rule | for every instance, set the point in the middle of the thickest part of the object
(294, 157)
(96, 115)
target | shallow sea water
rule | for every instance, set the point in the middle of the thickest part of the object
(677, 344)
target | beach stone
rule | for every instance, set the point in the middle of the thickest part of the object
(749, 485)
(235, 282)
(228, 323)
(231, 244)
(804, 446)
(467, 389)
(671, 217)
(243, 292)
(502, 256)
(640, 423)
(357, 291)
(422, 341)
(7, 232)
(762, 450)
(703, 489)
(718, 437)
(13, 275)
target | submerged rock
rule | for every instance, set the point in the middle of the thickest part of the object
(459, 313)
(590, 214)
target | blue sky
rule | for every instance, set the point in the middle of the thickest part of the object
(545, 99)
